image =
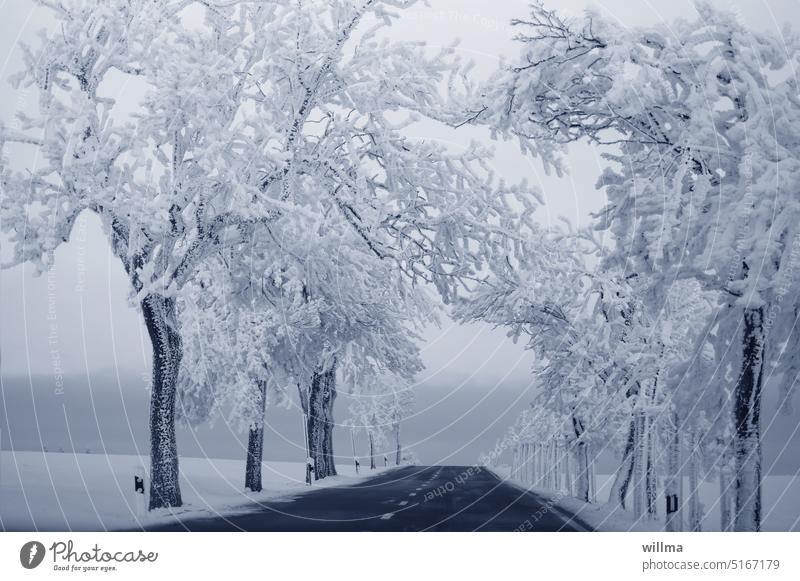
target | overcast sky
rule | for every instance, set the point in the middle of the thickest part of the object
(77, 318)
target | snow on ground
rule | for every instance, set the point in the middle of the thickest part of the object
(780, 497)
(64, 491)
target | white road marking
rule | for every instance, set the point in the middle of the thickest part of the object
(387, 516)
(403, 502)
(413, 494)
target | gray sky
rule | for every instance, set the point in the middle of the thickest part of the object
(77, 320)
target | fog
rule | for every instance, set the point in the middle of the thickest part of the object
(73, 344)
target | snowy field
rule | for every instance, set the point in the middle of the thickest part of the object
(780, 496)
(57, 491)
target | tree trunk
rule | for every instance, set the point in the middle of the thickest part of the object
(583, 482)
(569, 487)
(622, 480)
(540, 467)
(330, 398)
(399, 452)
(726, 502)
(651, 481)
(581, 461)
(640, 468)
(520, 463)
(530, 457)
(255, 445)
(371, 451)
(726, 497)
(529, 464)
(303, 393)
(695, 509)
(557, 465)
(316, 427)
(162, 325)
(252, 470)
(321, 397)
(673, 487)
(514, 460)
(747, 429)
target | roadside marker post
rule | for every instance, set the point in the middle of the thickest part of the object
(353, 442)
(672, 503)
(139, 491)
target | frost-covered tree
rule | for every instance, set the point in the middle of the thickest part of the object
(610, 369)
(368, 316)
(540, 449)
(702, 139)
(351, 176)
(400, 404)
(239, 337)
(165, 178)
(379, 409)
(550, 300)
(364, 416)
(252, 110)
(417, 208)
(299, 310)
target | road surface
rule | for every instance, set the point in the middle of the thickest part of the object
(411, 498)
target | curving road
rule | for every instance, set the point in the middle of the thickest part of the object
(412, 498)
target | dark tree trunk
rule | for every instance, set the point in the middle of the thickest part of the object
(695, 508)
(640, 465)
(582, 457)
(252, 470)
(162, 326)
(328, 401)
(399, 451)
(315, 426)
(673, 484)
(747, 429)
(321, 397)
(255, 445)
(651, 484)
(371, 451)
(726, 496)
(622, 480)
(303, 393)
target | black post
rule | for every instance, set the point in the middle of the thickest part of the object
(672, 503)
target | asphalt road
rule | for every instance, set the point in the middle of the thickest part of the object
(411, 498)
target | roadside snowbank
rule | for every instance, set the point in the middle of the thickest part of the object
(94, 492)
(780, 495)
